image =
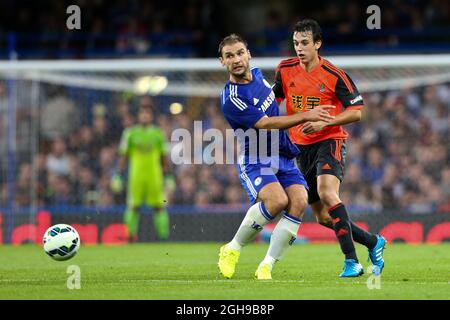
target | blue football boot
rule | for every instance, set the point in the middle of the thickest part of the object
(351, 269)
(376, 255)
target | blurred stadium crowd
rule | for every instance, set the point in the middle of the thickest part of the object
(398, 156)
(193, 28)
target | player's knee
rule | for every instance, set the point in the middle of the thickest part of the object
(329, 197)
(298, 205)
(281, 202)
(277, 203)
(303, 204)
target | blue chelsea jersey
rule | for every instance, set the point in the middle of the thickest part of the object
(243, 106)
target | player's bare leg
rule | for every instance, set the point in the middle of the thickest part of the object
(272, 199)
(285, 232)
(321, 214)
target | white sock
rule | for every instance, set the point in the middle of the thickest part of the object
(283, 236)
(268, 260)
(256, 218)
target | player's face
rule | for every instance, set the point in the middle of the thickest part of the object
(235, 57)
(305, 47)
(145, 117)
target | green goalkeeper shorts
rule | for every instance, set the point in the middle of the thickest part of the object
(149, 192)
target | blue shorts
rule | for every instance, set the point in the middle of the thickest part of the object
(255, 176)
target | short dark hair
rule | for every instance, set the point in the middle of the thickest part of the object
(231, 39)
(309, 25)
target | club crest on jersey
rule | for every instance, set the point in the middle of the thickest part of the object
(321, 87)
(258, 181)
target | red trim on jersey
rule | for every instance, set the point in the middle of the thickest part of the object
(334, 68)
(341, 73)
(343, 77)
(291, 60)
(287, 63)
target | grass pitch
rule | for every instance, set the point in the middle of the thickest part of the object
(189, 271)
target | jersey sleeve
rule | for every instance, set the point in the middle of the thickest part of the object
(348, 93)
(124, 145)
(242, 112)
(278, 85)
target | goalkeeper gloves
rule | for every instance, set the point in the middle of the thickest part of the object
(116, 183)
(170, 183)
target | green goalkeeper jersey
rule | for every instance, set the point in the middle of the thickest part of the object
(144, 147)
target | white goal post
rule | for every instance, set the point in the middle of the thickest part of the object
(206, 77)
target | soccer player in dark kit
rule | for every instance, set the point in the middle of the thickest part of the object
(306, 82)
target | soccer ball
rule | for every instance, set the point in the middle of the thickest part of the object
(61, 242)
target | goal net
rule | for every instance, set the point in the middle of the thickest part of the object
(61, 123)
(205, 77)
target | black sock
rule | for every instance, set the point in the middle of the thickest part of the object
(363, 237)
(359, 235)
(343, 229)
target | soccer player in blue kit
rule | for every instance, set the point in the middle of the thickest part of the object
(266, 164)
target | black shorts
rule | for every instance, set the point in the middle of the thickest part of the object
(323, 157)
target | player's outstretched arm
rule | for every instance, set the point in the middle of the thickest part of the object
(346, 117)
(319, 113)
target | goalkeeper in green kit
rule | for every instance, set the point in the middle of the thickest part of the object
(144, 145)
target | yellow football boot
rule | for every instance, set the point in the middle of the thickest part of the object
(228, 258)
(263, 272)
